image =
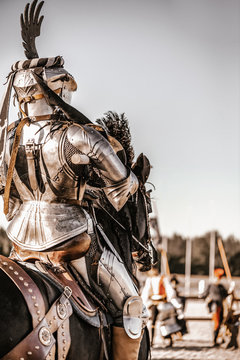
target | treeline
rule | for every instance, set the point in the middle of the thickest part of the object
(176, 253)
(200, 254)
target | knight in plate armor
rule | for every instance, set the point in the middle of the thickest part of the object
(44, 167)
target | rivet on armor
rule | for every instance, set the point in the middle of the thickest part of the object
(39, 319)
(61, 311)
(64, 349)
(36, 304)
(54, 318)
(30, 290)
(34, 297)
(50, 322)
(16, 273)
(76, 158)
(62, 326)
(25, 284)
(38, 312)
(63, 333)
(21, 359)
(45, 336)
(64, 341)
(37, 347)
(29, 353)
(5, 263)
(20, 278)
(10, 268)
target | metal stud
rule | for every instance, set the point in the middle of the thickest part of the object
(30, 290)
(34, 297)
(16, 273)
(20, 278)
(29, 353)
(25, 284)
(10, 268)
(36, 304)
(5, 263)
(37, 347)
(45, 336)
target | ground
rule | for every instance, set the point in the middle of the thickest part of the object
(197, 344)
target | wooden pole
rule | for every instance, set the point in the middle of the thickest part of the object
(164, 249)
(188, 265)
(224, 259)
(165, 269)
(212, 255)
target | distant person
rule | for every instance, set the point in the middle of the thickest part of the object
(175, 284)
(161, 299)
(153, 291)
(215, 294)
(182, 300)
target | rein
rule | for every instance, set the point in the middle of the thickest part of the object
(123, 228)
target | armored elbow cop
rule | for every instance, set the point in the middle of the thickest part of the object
(119, 193)
(116, 282)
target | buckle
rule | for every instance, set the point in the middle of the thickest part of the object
(30, 146)
(67, 292)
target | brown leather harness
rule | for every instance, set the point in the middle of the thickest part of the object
(40, 343)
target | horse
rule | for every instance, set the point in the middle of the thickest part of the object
(16, 324)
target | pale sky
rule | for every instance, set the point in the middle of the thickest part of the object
(173, 67)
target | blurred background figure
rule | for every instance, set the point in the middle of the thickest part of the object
(175, 284)
(164, 306)
(215, 294)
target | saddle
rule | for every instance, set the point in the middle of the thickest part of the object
(40, 343)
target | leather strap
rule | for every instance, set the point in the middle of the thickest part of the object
(40, 343)
(30, 148)
(63, 340)
(28, 288)
(28, 99)
(31, 98)
(32, 346)
(37, 118)
(77, 294)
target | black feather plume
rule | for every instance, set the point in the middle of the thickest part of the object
(117, 126)
(31, 25)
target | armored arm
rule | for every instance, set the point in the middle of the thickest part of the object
(119, 181)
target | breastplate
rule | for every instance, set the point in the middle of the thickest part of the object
(49, 177)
